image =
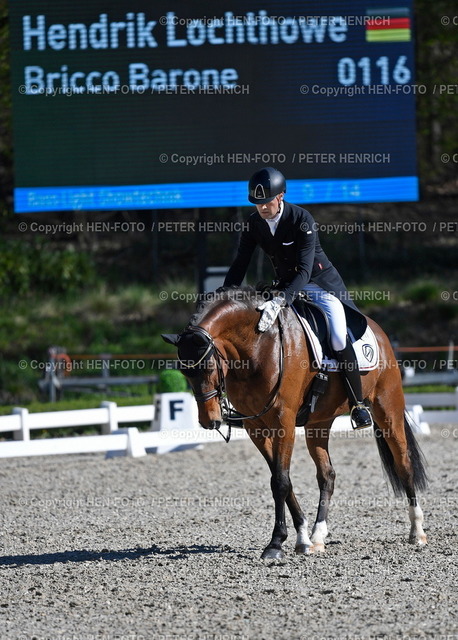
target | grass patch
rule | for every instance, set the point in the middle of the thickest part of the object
(92, 401)
(130, 319)
(429, 388)
(101, 320)
(370, 297)
(423, 291)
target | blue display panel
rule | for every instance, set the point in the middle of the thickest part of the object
(208, 194)
(141, 105)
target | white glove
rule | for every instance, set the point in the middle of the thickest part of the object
(270, 311)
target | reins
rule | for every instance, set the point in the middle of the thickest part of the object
(220, 390)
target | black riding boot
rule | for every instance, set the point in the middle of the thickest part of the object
(348, 365)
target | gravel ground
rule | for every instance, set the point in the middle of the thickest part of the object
(169, 547)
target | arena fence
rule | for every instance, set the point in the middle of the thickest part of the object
(164, 434)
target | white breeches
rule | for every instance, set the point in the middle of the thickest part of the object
(334, 310)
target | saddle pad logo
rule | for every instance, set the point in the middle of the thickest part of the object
(368, 352)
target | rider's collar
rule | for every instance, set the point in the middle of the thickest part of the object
(273, 222)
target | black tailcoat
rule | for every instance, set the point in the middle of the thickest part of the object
(295, 252)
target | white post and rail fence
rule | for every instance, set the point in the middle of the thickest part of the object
(171, 422)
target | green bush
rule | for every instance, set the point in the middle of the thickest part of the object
(37, 267)
(171, 381)
(447, 311)
(426, 291)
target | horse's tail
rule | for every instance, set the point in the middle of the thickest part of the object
(420, 478)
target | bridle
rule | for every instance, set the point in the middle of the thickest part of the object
(228, 413)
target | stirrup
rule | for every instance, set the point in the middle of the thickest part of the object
(360, 417)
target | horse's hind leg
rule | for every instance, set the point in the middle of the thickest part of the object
(264, 443)
(317, 437)
(401, 456)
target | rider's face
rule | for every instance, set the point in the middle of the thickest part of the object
(270, 209)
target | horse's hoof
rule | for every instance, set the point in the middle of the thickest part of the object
(421, 541)
(303, 549)
(272, 554)
(317, 548)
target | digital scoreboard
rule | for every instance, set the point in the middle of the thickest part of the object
(149, 105)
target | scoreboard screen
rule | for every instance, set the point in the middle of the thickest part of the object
(171, 104)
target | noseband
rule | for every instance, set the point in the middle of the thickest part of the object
(220, 388)
(228, 413)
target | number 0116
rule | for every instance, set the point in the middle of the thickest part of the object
(362, 71)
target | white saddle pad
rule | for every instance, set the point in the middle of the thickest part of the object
(366, 349)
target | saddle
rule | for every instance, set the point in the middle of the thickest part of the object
(316, 328)
(315, 318)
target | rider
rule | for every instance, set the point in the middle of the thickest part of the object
(288, 235)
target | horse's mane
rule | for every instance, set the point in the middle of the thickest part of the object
(244, 297)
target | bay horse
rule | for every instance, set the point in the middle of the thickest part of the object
(266, 377)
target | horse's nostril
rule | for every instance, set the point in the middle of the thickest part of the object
(213, 424)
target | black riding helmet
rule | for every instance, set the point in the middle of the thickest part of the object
(265, 184)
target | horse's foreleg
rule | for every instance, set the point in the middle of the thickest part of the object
(303, 542)
(317, 437)
(281, 483)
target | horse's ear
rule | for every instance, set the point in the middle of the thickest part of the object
(171, 338)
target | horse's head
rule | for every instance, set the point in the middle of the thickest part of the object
(201, 362)
(217, 348)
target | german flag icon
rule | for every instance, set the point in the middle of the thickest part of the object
(388, 25)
